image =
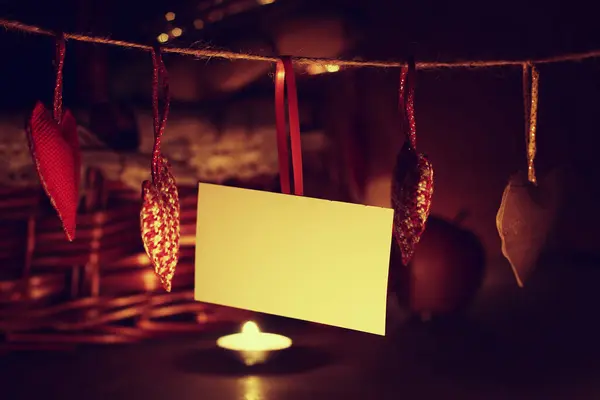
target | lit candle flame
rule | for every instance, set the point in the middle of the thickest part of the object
(253, 346)
(250, 327)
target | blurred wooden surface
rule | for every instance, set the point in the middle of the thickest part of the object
(537, 343)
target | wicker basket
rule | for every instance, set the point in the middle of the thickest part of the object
(99, 288)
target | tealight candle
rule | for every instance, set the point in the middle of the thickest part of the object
(252, 346)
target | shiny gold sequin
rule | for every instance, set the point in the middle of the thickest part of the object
(531, 108)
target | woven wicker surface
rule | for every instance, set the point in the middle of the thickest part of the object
(99, 288)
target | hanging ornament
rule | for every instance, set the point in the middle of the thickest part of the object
(528, 209)
(54, 145)
(412, 180)
(524, 220)
(160, 212)
(284, 74)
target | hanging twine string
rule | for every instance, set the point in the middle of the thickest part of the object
(230, 55)
(531, 78)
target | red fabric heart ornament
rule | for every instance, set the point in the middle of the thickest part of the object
(159, 216)
(54, 147)
(412, 180)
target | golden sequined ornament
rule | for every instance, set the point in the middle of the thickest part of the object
(159, 217)
(412, 180)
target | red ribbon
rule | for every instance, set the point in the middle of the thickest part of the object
(58, 86)
(285, 75)
(160, 76)
(406, 103)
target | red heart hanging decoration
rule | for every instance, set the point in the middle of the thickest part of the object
(56, 154)
(412, 181)
(160, 222)
(159, 216)
(54, 146)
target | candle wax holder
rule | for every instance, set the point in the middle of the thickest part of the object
(251, 346)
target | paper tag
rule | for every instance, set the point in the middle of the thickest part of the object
(293, 256)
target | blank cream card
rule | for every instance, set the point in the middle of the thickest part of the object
(298, 257)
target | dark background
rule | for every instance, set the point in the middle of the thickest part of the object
(470, 121)
(539, 342)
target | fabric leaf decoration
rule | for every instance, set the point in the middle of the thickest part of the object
(412, 180)
(525, 218)
(160, 223)
(159, 216)
(528, 209)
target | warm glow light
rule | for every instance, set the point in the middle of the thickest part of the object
(253, 389)
(316, 69)
(142, 259)
(265, 2)
(150, 280)
(176, 32)
(202, 317)
(198, 24)
(170, 16)
(163, 38)
(253, 346)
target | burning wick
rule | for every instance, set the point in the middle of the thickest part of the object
(251, 346)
